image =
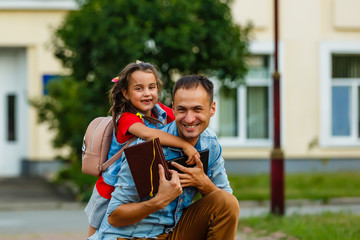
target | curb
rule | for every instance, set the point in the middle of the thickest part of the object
(303, 202)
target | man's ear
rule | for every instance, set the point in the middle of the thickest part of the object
(172, 105)
(212, 109)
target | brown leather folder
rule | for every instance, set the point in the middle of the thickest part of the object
(143, 159)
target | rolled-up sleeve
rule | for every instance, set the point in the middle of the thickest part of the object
(217, 172)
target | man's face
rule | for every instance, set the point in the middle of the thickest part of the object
(192, 110)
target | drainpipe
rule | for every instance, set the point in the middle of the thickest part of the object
(277, 155)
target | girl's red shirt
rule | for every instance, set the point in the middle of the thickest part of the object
(122, 135)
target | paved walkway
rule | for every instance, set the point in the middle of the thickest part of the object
(32, 209)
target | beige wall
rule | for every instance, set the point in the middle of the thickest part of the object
(32, 30)
(304, 25)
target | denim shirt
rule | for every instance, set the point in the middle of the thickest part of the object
(110, 174)
(164, 220)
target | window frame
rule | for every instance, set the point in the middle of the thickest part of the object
(256, 48)
(327, 49)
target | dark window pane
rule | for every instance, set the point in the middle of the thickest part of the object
(346, 66)
(11, 105)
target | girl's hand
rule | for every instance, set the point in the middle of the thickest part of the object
(192, 153)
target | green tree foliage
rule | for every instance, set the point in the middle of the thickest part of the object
(103, 36)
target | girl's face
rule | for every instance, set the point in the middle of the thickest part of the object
(142, 91)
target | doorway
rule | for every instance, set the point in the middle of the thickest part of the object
(13, 111)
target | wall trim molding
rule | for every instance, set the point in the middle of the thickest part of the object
(38, 5)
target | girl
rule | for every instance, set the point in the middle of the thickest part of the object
(134, 97)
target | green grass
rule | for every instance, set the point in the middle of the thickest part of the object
(327, 226)
(315, 186)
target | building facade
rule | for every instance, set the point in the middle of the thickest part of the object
(319, 63)
(25, 60)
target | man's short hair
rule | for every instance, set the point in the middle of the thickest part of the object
(193, 81)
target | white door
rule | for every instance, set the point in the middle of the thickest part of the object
(13, 111)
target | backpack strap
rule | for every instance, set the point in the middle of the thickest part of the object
(116, 156)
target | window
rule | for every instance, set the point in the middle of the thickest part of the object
(340, 113)
(345, 83)
(244, 113)
(46, 79)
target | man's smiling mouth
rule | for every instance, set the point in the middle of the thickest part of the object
(191, 126)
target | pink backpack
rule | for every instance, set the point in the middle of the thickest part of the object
(96, 146)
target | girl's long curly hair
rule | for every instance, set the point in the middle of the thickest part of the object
(119, 104)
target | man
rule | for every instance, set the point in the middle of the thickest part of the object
(171, 213)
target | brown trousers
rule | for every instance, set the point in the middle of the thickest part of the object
(214, 216)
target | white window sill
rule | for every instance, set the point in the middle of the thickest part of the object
(339, 142)
(236, 142)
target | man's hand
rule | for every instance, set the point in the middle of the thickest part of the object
(168, 190)
(195, 177)
(130, 213)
